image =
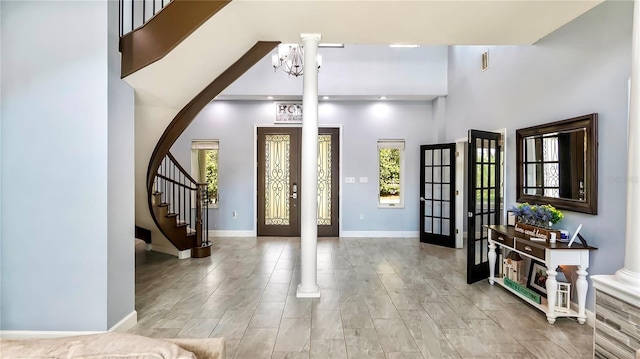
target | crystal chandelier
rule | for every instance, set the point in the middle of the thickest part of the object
(290, 58)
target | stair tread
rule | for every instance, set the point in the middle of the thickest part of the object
(169, 215)
(181, 224)
(164, 204)
(156, 193)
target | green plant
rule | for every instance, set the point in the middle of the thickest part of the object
(541, 216)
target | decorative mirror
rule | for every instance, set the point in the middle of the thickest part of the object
(558, 164)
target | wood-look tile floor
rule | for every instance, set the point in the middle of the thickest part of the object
(385, 298)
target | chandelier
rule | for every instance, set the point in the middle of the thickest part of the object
(290, 59)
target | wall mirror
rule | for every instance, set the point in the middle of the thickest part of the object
(558, 164)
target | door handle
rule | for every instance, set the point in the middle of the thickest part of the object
(422, 199)
(294, 191)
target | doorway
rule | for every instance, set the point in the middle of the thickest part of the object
(279, 164)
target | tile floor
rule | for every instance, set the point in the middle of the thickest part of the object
(381, 298)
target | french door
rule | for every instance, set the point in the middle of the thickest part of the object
(279, 160)
(483, 200)
(437, 194)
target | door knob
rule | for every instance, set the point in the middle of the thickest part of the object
(422, 199)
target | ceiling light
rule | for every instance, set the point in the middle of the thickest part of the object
(325, 97)
(331, 45)
(269, 97)
(290, 58)
(382, 98)
(408, 46)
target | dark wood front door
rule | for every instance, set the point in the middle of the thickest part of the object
(279, 184)
(483, 201)
(437, 194)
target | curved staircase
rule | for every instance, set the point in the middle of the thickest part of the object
(177, 202)
(179, 205)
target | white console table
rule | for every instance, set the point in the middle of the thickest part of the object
(552, 255)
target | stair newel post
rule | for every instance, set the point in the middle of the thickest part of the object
(200, 198)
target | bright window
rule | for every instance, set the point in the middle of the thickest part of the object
(390, 173)
(204, 166)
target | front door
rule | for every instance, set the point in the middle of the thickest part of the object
(437, 194)
(279, 159)
(483, 200)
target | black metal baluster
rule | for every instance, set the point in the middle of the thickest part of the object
(132, 12)
(154, 7)
(144, 12)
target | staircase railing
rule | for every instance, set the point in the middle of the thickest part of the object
(135, 13)
(186, 200)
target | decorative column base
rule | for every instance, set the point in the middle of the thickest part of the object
(617, 327)
(307, 294)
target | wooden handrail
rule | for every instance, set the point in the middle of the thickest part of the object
(168, 28)
(188, 113)
(178, 183)
(184, 172)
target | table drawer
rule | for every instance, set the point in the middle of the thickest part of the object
(502, 238)
(530, 248)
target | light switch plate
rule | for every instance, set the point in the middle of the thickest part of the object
(349, 180)
(364, 179)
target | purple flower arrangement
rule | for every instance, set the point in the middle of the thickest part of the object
(540, 216)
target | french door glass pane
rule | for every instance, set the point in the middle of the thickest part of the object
(277, 172)
(324, 180)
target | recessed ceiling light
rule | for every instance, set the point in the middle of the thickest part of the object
(269, 97)
(334, 45)
(410, 46)
(325, 97)
(382, 98)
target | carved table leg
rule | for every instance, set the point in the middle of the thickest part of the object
(581, 289)
(552, 287)
(492, 261)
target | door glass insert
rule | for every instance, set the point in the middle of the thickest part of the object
(276, 187)
(324, 180)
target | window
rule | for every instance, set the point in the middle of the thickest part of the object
(390, 169)
(204, 166)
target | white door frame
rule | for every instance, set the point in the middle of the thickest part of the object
(255, 170)
(462, 194)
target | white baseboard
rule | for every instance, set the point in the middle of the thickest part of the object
(171, 251)
(44, 334)
(231, 233)
(381, 234)
(122, 326)
(126, 323)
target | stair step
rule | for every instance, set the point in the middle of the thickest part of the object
(191, 232)
(164, 204)
(156, 193)
(181, 224)
(169, 215)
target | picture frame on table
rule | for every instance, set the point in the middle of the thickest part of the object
(537, 278)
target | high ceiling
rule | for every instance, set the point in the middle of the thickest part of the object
(215, 45)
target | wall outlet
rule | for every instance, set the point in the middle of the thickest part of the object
(349, 180)
(234, 215)
(361, 216)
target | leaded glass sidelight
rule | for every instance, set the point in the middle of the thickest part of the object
(324, 180)
(277, 173)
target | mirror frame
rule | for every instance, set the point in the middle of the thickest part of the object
(590, 123)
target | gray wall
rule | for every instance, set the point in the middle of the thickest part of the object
(347, 72)
(363, 123)
(55, 203)
(120, 188)
(579, 69)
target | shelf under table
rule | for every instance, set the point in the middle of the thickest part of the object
(542, 307)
